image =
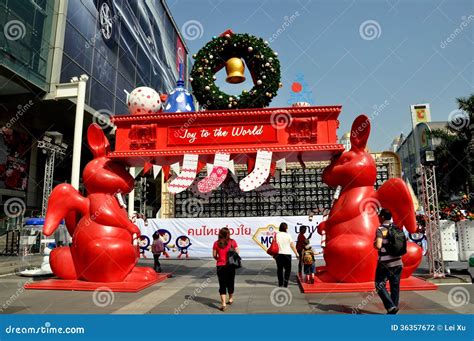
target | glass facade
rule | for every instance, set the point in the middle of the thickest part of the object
(27, 39)
(120, 45)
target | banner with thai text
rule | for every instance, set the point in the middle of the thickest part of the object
(194, 237)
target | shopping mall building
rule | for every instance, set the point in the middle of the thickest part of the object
(48, 44)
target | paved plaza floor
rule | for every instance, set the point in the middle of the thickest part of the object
(193, 289)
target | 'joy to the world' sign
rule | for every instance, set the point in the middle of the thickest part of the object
(236, 134)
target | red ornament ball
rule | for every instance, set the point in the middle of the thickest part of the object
(296, 87)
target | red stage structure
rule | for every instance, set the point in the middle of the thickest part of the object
(296, 133)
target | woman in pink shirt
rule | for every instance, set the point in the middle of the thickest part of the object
(225, 272)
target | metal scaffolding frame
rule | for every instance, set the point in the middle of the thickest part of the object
(429, 197)
(48, 180)
(53, 148)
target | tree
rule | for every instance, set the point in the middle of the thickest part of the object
(455, 154)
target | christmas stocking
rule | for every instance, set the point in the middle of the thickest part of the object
(260, 172)
(217, 175)
(187, 175)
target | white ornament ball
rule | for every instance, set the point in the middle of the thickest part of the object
(144, 100)
(207, 87)
(259, 82)
(250, 49)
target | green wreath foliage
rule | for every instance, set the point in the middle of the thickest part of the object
(261, 60)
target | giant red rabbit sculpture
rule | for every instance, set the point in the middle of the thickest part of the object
(102, 247)
(350, 228)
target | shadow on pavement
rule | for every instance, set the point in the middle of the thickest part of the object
(341, 308)
(211, 303)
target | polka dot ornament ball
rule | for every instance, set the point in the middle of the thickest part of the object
(144, 100)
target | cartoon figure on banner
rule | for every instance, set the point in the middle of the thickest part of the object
(183, 243)
(165, 236)
(144, 244)
(350, 228)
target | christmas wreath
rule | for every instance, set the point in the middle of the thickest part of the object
(260, 59)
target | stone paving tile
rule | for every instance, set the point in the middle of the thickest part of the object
(194, 290)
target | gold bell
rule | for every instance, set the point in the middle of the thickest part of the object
(235, 70)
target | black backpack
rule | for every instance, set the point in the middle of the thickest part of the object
(397, 241)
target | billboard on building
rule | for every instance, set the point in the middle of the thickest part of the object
(14, 159)
(420, 113)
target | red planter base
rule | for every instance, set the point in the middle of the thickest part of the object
(408, 284)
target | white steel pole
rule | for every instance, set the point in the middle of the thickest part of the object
(131, 196)
(78, 126)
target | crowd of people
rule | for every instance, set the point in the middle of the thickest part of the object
(225, 250)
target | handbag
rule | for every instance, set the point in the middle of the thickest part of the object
(273, 250)
(233, 258)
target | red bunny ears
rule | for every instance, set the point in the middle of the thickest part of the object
(98, 143)
(360, 133)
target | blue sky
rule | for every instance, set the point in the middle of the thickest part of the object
(408, 59)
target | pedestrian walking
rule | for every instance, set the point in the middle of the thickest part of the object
(391, 243)
(225, 271)
(283, 259)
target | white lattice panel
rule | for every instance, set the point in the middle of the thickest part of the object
(449, 245)
(466, 239)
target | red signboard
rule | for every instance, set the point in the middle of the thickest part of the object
(229, 134)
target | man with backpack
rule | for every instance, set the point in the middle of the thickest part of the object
(157, 249)
(391, 243)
